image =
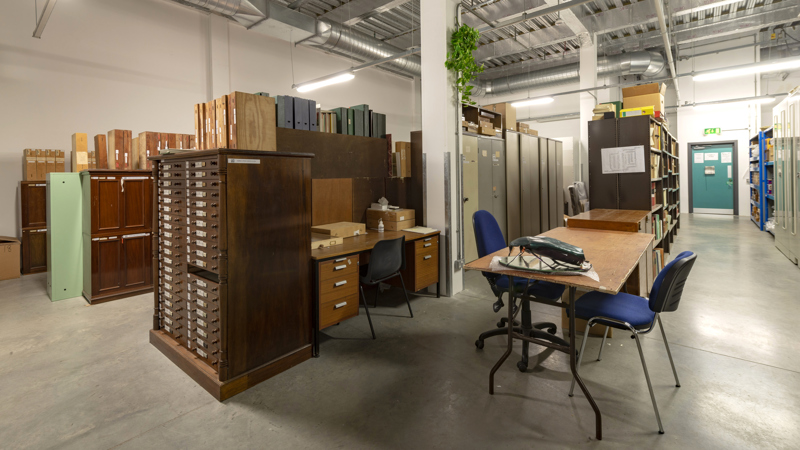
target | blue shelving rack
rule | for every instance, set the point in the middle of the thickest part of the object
(761, 167)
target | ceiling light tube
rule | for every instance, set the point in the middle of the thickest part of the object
(749, 69)
(735, 102)
(533, 101)
(325, 81)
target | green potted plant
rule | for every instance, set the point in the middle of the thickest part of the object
(460, 60)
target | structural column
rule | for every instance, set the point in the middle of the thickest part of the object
(439, 115)
(588, 79)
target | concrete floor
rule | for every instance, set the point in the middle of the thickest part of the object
(75, 376)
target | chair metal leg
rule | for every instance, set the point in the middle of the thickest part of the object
(649, 385)
(603, 345)
(666, 344)
(366, 308)
(405, 292)
(580, 358)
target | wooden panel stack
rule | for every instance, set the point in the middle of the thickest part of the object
(227, 326)
(236, 121)
(37, 163)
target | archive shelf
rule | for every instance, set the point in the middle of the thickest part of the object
(761, 174)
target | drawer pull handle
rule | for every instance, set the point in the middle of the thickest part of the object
(428, 257)
(340, 260)
(427, 245)
(343, 266)
(339, 305)
(426, 240)
(341, 283)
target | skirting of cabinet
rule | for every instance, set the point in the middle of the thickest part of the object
(206, 377)
(117, 295)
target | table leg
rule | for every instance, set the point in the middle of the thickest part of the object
(315, 308)
(527, 326)
(438, 283)
(510, 325)
(573, 366)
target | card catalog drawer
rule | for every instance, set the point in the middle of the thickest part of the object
(202, 203)
(203, 164)
(201, 183)
(171, 165)
(170, 183)
(203, 213)
(209, 194)
(177, 209)
(172, 174)
(203, 233)
(210, 173)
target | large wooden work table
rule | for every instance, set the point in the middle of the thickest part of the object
(336, 273)
(611, 219)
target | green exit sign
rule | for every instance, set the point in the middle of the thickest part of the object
(708, 131)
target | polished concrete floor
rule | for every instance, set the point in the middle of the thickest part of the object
(75, 376)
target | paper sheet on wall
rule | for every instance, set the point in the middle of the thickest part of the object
(698, 158)
(623, 159)
(727, 158)
(730, 171)
(712, 156)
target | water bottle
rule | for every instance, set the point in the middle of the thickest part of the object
(380, 226)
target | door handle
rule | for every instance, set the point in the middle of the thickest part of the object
(466, 199)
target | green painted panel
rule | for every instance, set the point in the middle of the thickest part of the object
(64, 230)
(712, 178)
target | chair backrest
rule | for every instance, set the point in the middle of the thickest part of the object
(573, 199)
(668, 287)
(387, 258)
(488, 237)
(580, 188)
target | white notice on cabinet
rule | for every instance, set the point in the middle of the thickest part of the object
(623, 159)
(727, 158)
(698, 158)
(712, 156)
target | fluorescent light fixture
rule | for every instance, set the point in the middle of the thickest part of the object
(533, 101)
(326, 81)
(735, 102)
(749, 69)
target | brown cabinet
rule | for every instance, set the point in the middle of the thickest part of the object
(241, 234)
(33, 210)
(117, 234)
(422, 264)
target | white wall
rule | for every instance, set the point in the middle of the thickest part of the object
(736, 121)
(142, 65)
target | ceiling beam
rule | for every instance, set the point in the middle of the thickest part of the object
(355, 11)
(535, 39)
(43, 18)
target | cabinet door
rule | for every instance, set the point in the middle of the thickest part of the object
(33, 198)
(106, 204)
(136, 260)
(136, 202)
(107, 274)
(34, 251)
(499, 185)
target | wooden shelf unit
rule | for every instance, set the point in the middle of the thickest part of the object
(33, 212)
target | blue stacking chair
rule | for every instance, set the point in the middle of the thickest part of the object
(490, 239)
(636, 314)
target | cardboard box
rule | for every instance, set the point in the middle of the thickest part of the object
(41, 165)
(134, 153)
(119, 142)
(598, 117)
(9, 258)
(322, 241)
(100, 152)
(509, 113)
(392, 215)
(645, 95)
(49, 162)
(472, 129)
(486, 131)
(28, 165)
(391, 226)
(580, 324)
(251, 122)
(80, 152)
(60, 161)
(340, 229)
(523, 127)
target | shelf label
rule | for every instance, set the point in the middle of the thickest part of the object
(243, 161)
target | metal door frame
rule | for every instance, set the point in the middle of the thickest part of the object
(735, 170)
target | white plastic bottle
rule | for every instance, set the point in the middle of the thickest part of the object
(380, 226)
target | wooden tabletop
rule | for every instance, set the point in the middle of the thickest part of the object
(365, 242)
(614, 255)
(609, 219)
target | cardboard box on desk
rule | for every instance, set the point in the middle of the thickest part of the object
(322, 241)
(645, 95)
(392, 215)
(391, 226)
(340, 229)
(580, 324)
(9, 258)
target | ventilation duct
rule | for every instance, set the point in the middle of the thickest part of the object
(648, 64)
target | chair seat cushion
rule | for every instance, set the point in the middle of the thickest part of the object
(543, 289)
(624, 307)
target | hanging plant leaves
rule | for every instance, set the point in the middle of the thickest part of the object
(460, 60)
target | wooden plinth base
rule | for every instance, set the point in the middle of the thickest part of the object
(208, 379)
(107, 298)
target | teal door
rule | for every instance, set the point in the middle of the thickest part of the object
(712, 179)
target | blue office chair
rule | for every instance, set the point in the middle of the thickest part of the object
(636, 314)
(490, 239)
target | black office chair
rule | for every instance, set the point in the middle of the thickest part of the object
(489, 239)
(386, 260)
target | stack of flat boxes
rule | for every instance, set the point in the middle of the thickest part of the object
(188, 226)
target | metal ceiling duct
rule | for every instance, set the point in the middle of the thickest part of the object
(241, 11)
(648, 64)
(336, 37)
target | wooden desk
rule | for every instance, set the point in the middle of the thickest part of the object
(336, 273)
(611, 219)
(614, 255)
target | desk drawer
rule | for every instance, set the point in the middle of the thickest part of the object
(202, 296)
(170, 183)
(206, 326)
(199, 255)
(204, 183)
(172, 297)
(174, 329)
(175, 304)
(335, 288)
(209, 334)
(426, 243)
(338, 267)
(177, 278)
(333, 312)
(426, 264)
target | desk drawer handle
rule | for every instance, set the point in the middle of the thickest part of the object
(341, 283)
(339, 305)
(427, 245)
(426, 240)
(428, 257)
(340, 260)
(343, 266)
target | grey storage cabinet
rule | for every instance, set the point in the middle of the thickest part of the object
(560, 181)
(544, 198)
(492, 179)
(552, 183)
(530, 194)
(469, 166)
(513, 186)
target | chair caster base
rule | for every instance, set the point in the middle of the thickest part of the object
(660, 432)
(501, 325)
(522, 366)
(677, 385)
(479, 344)
(571, 395)
(552, 330)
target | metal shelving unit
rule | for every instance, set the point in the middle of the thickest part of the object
(761, 173)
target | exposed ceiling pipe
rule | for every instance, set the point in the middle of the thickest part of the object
(662, 25)
(648, 64)
(533, 14)
(242, 11)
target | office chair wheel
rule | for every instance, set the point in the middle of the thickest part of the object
(498, 305)
(500, 324)
(552, 330)
(479, 344)
(522, 366)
